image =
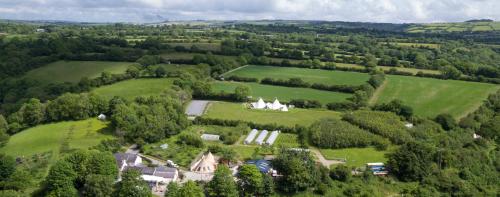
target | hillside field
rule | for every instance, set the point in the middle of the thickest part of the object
(130, 89)
(429, 97)
(308, 75)
(270, 92)
(238, 111)
(73, 71)
(56, 137)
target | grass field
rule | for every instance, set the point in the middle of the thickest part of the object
(135, 87)
(356, 157)
(237, 111)
(308, 75)
(73, 71)
(269, 92)
(412, 70)
(57, 136)
(429, 97)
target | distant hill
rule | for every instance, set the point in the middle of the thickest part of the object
(479, 25)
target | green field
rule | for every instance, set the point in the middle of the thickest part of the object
(308, 75)
(287, 140)
(356, 157)
(429, 97)
(238, 111)
(270, 92)
(454, 27)
(135, 87)
(57, 136)
(73, 71)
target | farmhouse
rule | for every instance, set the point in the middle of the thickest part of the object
(276, 105)
(154, 175)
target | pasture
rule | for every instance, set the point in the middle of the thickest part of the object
(238, 111)
(57, 138)
(130, 89)
(73, 71)
(429, 97)
(355, 157)
(285, 94)
(308, 75)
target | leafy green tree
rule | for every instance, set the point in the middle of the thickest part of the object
(132, 185)
(450, 72)
(446, 121)
(160, 72)
(250, 180)
(97, 185)
(133, 72)
(202, 89)
(412, 161)
(173, 190)
(491, 129)
(33, 112)
(7, 166)
(191, 189)
(19, 180)
(340, 173)
(102, 163)
(222, 184)
(268, 183)
(61, 178)
(241, 92)
(298, 170)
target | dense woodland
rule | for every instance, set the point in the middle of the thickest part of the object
(436, 157)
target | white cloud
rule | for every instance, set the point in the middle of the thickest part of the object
(400, 11)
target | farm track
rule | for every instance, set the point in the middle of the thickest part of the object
(377, 93)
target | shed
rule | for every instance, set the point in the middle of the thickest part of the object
(210, 137)
(101, 117)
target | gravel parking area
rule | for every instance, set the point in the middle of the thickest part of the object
(196, 107)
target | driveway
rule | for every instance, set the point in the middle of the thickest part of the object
(327, 163)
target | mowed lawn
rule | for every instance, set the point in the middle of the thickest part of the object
(238, 111)
(430, 97)
(73, 71)
(52, 137)
(270, 92)
(130, 89)
(356, 157)
(308, 75)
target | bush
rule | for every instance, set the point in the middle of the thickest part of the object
(340, 106)
(301, 103)
(191, 139)
(242, 79)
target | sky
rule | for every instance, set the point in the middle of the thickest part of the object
(145, 11)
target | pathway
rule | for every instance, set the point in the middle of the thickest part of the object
(233, 70)
(327, 163)
(377, 93)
